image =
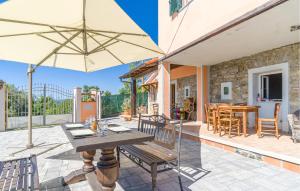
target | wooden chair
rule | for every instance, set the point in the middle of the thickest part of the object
(155, 108)
(227, 121)
(156, 156)
(210, 116)
(189, 107)
(269, 124)
(19, 174)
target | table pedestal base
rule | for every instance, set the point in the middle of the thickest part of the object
(107, 169)
(79, 175)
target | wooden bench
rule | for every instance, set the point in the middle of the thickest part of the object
(19, 174)
(156, 156)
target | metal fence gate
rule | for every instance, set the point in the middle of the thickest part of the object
(51, 105)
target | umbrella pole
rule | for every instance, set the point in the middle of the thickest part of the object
(29, 75)
(179, 147)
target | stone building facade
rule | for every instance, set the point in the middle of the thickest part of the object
(181, 83)
(236, 71)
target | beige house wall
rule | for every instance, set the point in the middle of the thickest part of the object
(197, 19)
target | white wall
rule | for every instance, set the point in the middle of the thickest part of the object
(20, 122)
(197, 19)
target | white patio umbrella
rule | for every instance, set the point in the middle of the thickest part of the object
(83, 35)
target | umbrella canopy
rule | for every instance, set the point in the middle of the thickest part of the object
(83, 35)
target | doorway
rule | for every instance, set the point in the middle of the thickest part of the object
(269, 85)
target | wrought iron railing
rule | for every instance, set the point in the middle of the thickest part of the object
(47, 100)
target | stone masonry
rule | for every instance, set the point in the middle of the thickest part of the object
(236, 71)
(186, 81)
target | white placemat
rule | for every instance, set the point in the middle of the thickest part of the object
(82, 132)
(76, 125)
(119, 129)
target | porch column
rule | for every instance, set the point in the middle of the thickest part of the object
(77, 105)
(2, 106)
(163, 94)
(133, 97)
(98, 104)
(202, 91)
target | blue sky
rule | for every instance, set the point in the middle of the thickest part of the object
(144, 13)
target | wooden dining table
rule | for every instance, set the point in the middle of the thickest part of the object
(106, 173)
(244, 109)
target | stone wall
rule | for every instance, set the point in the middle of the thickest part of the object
(181, 83)
(236, 71)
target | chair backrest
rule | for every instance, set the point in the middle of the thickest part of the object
(155, 108)
(206, 111)
(224, 112)
(276, 110)
(164, 135)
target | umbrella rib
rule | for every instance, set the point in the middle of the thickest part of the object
(114, 32)
(34, 33)
(102, 45)
(84, 41)
(54, 51)
(131, 43)
(66, 27)
(85, 63)
(79, 49)
(106, 49)
(69, 53)
(101, 49)
(35, 23)
(58, 43)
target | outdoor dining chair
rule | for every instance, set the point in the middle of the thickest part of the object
(227, 122)
(210, 117)
(269, 124)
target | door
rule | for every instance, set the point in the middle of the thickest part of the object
(269, 85)
(173, 92)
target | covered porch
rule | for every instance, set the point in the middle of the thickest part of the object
(239, 64)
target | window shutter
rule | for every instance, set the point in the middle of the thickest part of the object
(179, 5)
(175, 5)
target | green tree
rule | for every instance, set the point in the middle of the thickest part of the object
(126, 89)
(107, 93)
(87, 89)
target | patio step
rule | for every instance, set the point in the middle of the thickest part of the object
(280, 160)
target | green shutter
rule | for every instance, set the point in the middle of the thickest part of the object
(175, 5)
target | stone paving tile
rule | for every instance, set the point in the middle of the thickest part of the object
(203, 167)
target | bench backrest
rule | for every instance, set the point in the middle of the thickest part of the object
(164, 135)
(19, 174)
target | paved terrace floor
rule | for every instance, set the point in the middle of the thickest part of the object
(204, 167)
(282, 148)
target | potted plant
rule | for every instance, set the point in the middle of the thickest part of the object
(126, 107)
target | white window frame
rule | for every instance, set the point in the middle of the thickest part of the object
(188, 88)
(261, 87)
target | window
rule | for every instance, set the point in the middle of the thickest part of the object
(175, 6)
(271, 86)
(187, 92)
